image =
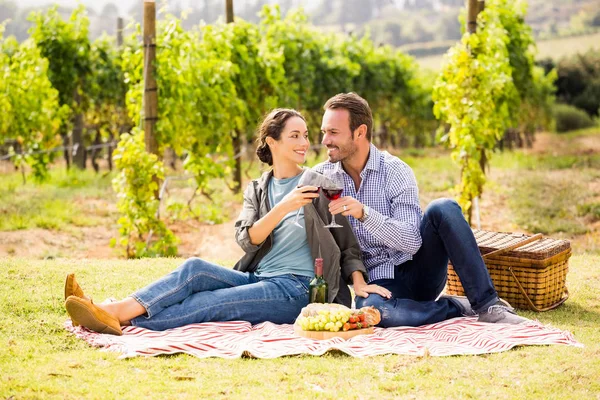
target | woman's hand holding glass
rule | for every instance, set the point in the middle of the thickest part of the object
(303, 194)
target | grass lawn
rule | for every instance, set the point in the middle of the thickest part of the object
(67, 200)
(40, 359)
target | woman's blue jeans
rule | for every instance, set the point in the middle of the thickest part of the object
(418, 282)
(199, 291)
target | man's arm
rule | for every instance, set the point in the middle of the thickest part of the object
(401, 230)
(362, 289)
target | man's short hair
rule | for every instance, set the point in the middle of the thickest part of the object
(358, 108)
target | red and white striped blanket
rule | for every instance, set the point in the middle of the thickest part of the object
(235, 339)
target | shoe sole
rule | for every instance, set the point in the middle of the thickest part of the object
(83, 316)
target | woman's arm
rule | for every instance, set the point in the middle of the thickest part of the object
(248, 216)
(262, 228)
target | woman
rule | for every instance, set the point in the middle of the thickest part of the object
(270, 282)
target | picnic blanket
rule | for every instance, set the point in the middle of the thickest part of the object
(267, 340)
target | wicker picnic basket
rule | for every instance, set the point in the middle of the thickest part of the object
(529, 272)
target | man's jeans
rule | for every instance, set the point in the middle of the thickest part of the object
(418, 282)
(199, 291)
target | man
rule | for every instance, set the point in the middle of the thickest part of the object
(404, 251)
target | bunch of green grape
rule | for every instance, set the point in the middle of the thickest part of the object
(333, 320)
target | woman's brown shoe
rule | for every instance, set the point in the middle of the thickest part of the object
(72, 288)
(85, 313)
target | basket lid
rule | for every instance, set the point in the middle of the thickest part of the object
(538, 250)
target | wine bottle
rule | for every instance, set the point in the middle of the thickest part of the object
(318, 289)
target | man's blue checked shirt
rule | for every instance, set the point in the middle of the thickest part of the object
(390, 235)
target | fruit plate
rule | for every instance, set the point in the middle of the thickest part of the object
(322, 335)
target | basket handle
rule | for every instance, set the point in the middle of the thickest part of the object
(523, 242)
(533, 307)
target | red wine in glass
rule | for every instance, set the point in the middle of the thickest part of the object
(295, 221)
(333, 189)
(310, 191)
(333, 193)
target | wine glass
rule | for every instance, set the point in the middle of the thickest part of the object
(333, 189)
(304, 181)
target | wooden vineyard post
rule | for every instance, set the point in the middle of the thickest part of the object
(150, 87)
(120, 32)
(472, 11)
(229, 11)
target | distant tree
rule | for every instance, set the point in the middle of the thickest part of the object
(136, 12)
(199, 12)
(213, 9)
(19, 25)
(105, 22)
(418, 33)
(110, 10)
(285, 6)
(419, 4)
(355, 11)
(251, 11)
(175, 8)
(450, 28)
(547, 64)
(596, 19)
(322, 14)
(452, 3)
(578, 81)
(392, 33)
(8, 10)
(379, 6)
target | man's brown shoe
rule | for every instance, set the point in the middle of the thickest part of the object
(72, 288)
(85, 313)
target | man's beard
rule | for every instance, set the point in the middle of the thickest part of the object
(342, 153)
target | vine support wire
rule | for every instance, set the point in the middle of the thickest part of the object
(101, 146)
(73, 149)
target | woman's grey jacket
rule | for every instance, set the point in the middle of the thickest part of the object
(337, 247)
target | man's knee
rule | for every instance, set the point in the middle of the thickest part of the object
(374, 300)
(441, 208)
